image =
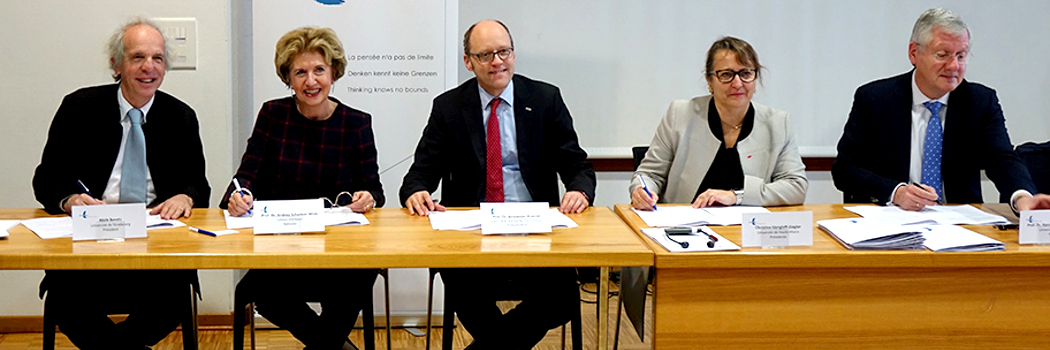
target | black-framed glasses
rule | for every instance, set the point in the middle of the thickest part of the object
(486, 57)
(747, 75)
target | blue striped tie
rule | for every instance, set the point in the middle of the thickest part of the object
(931, 154)
(133, 170)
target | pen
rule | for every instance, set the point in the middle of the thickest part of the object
(939, 199)
(202, 231)
(84, 188)
(646, 188)
(239, 189)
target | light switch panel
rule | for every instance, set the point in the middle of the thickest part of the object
(181, 34)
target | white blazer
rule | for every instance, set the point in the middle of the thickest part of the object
(684, 148)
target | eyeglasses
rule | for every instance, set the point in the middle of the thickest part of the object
(945, 56)
(487, 56)
(747, 75)
(331, 204)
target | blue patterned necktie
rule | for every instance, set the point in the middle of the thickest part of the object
(133, 170)
(931, 154)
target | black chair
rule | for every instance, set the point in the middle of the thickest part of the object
(1036, 157)
(244, 300)
(449, 319)
(639, 154)
(189, 325)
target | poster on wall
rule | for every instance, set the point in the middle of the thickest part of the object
(400, 55)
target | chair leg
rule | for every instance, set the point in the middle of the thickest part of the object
(251, 322)
(448, 326)
(386, 297)
(577, 330)
(189, 327)
(238, 324)
(49, 326)
(563, 337)
(619, 314)
(368, 320)
(430, 305)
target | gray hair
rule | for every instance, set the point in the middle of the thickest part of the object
(933, 18)
(115, 48)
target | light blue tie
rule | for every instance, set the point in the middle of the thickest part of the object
(133, 170)
(931, 155)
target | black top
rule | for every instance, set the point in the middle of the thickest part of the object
(725, 172)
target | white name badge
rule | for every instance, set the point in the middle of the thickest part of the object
(514, 218)
(777, 229)
(1034, 227)
(290, 216)
(110, 222)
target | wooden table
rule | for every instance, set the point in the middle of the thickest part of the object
(828, 297)
(394, 239)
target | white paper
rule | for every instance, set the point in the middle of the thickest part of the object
(668, 216)
(6, 225)
(1034, 227)
(111, 221)
(288, 216)
(343, 217)
(469, 220)
(697, 242)
(236, 222)
(865, 233)
(155, 222)
(932, 215)
(48, 228)
(951, 238)
(791, 228)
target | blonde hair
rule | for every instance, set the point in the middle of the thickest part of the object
(309, 39)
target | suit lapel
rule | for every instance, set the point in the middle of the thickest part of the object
(900, 119)
(472, 118)
(524, 121)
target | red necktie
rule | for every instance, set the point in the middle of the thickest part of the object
(493, 159)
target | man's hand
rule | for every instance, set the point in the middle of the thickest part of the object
(177, 206)
(239, 205)
(641, 200)
(362, 201)
(714, 197)
(914, 197)
(421, 204)
(80, 199)
(1039, 201)
(573, 202)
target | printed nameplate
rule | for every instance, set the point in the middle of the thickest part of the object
(1034, 227)
(111, 222)
(514, 218)
(777, 229)
(290, 216)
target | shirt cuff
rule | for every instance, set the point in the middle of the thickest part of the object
(1017, 195)
(893, 194)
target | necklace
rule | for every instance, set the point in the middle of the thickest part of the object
(735, 127)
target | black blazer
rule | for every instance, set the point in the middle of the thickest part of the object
(875, 148)
(84, 140)
(452, 147)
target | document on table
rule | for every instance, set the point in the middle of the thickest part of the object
(7, 225)
(236, 222)
(932, 215)
(48, 228)
(872, 234)
(667, 216)
(468, 220)
(697, 242)
(331, 217)
(951, 238)
(154, 222)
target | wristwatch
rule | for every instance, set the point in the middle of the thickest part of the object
(739, 196)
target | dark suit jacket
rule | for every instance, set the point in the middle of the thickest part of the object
(875, 149)
(84, 140)
(452, 147)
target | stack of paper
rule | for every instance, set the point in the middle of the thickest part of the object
(48, 228)
(7, 225)
(932, 215)
(950, 238)
(468, 220)
(668, 216)
(871, 234)
(697, 241)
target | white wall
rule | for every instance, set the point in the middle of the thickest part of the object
(50, 48)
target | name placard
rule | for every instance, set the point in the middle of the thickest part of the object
(777, 229)
(111, 222)
(1034, 227)
(514, 218)
(289, 216)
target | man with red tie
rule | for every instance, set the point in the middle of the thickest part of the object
(501, 137)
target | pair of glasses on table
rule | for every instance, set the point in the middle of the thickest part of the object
(328, 203)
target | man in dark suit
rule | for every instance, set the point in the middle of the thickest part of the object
(127, 142)
(923, 137)
(501, 138)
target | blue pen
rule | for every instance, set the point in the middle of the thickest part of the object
(202, 231)
(84, 188)
(646, 188)
(237, 186)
